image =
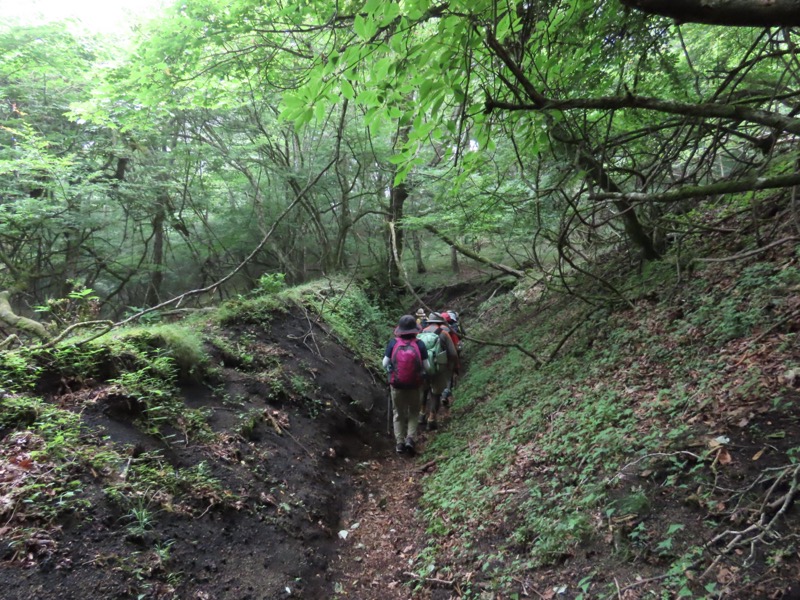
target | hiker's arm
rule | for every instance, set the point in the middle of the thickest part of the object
(387, 355)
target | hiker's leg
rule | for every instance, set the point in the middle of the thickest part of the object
(433, 408)
(439, 383)
(400, 405)
(423, 404)
(415, 406)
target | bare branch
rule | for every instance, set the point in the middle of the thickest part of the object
(474, 255)
(707, 110)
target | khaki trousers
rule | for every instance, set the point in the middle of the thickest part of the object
(406, 405)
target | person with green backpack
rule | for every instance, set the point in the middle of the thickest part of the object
(442, 361)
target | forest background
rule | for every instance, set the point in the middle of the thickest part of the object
(626, 170)
(320, 137)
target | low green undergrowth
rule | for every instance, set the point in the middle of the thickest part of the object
(539, 462)
(353, 317)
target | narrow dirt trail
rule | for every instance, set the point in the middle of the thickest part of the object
(385, 532)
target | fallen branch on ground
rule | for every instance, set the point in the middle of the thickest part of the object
(433, 580)
(758, 531)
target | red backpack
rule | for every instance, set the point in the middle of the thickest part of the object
(406, 362)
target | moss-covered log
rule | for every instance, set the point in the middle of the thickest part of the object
(23, 324)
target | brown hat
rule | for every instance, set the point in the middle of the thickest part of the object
(435, 318)
(407, 325)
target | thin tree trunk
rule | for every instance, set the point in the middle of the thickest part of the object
(153, 294)
(397, 198)
(416, 244)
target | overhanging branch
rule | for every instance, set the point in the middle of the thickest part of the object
(707, 110)
(736, 13)
(700, 191)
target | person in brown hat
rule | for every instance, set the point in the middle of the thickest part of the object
(406, 362)
(443, 364)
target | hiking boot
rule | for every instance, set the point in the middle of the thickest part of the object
(400, 448)
(423, 422)
(410, 447)
(447, 397)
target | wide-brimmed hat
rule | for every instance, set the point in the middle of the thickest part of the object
(435, 318)
(420, 312)
(407, 325)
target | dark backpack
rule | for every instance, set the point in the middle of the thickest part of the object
(406, 360)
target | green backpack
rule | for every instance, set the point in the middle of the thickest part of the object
(436, 354)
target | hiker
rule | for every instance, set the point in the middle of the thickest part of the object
(443, 362)
(421, 320)
(451, 319)
(406, 362)
(452, 325)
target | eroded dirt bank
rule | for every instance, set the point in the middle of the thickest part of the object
(295, 417)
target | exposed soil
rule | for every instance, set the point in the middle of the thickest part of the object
(291, 474)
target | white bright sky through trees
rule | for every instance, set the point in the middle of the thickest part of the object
(110, 16)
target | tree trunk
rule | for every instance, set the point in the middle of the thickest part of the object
(416, 244)
(25, 324)
(636, 233)
(153, 294)
(397, 199)
(454, 260)
(586, 160)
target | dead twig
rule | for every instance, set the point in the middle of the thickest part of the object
(282, 430)
(427, 465)
(431, 580)
(621, 472)
(749, 253)
(758, 531)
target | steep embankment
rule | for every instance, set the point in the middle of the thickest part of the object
(202, 460)
(650, 451)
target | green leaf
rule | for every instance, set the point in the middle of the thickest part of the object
(390, 12)
(347, 89)
(365, 28)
